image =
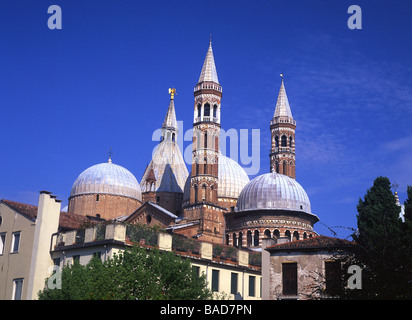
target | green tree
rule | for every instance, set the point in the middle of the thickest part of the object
(407, 233)
(132, 274)
(383, 250)
(408, 205)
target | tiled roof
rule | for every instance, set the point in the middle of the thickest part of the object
(25, 209)
(66, 221)
(318, 242)
(142, 209)
(72, 221)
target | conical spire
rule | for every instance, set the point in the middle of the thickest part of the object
(151, 175)
(282, 105)
(209, 72)
(170, 121)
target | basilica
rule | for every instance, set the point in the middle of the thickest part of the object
(214, 201)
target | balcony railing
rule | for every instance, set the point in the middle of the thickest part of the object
(206, 119)
(283, 149)
(213, 86)
(283, 120)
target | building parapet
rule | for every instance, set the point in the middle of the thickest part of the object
(128, 235)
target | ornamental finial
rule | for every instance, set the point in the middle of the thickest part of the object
(172, 92)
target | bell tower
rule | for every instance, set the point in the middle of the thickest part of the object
(282, 128)
(203, 205)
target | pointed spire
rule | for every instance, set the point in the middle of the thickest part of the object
(209, 72)
(151, 175)
(282, 104)
(170, 121)
(170, 127)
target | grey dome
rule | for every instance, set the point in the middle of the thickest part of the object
(232, 179)
(273, 191)
(107, 178)
(169, 168)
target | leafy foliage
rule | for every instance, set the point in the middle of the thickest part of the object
(135, 232)
(134, 274)
(384, 248)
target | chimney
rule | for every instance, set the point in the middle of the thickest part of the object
(47, 223)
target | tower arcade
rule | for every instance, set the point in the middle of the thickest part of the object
(282, 128)
(203, 204)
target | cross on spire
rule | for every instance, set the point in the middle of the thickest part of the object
(110, 153)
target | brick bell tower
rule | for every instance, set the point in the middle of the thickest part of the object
(203, 205)
(282, 128)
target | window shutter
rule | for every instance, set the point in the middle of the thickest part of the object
(290, 277)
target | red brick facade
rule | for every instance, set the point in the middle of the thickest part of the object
(105, 206)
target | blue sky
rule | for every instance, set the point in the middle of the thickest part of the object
(68, 96)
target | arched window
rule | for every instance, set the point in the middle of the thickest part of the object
(256, 238)
(206, 110)
(199, 110)
(215, 111)
(227, 239)
(305, 235)
(196, 192)
(287, 234)
(284, 141)
(277, 141)
(276, 234)
(290, 141)
(249, 238)
(173, 136)
(285, 167)
(205, 166)
(234, 240)
(295, 236)
(267, 233)
(240, 240)
(204, 192)
(205, 142)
